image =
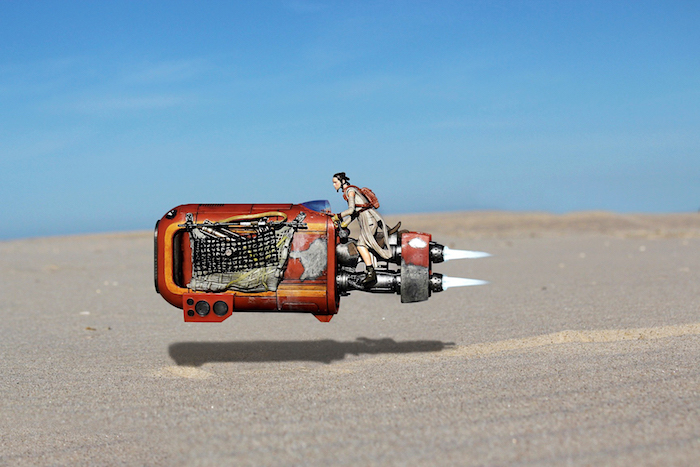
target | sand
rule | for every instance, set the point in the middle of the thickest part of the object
(582, 350)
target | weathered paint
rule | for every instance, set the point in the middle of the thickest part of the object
(314, 259)
(415, 267)
(308, 283)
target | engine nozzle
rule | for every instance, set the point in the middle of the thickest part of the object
(440, 253)
(440, 283)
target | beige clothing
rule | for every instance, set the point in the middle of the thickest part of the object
(369, 220)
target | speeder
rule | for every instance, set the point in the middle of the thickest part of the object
(212, 260)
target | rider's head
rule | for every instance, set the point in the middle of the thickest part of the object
(340, 180)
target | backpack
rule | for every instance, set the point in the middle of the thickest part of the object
(372, 201)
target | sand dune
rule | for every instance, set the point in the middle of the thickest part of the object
(582, 350)
(496, 224)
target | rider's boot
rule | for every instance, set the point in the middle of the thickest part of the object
(371, 277)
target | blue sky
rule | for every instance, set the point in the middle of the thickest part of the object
(111, 113)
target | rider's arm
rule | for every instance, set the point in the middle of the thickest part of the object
(351, 203)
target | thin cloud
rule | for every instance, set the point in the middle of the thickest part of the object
(130, 103)
(28, 146)
(168, 71)
(39, 77)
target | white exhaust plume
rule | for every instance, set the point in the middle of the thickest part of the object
(449, 254)
(448, 282)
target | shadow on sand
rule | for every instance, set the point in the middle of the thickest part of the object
(324, 351)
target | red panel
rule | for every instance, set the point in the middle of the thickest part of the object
(310, 298)
(271, 207)
(215, 212)
(415, 248)
(166, 231)
(186, 252)
(332, 295)
(190, 302)
(255, 302)
(302, 241)
(294, 270)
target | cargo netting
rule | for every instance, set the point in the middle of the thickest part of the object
(234, 252)
(248, 257)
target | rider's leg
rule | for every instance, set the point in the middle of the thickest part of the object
(365, 254)
(371, 277)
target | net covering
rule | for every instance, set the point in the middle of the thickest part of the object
(212, 255)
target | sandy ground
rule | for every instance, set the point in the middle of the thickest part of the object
(583, 350)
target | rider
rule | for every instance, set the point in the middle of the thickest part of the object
(370, 224)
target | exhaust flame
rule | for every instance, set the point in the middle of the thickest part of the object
(449, 254)
(448, 282)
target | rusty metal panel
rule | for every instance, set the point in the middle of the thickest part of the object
(415, 267)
